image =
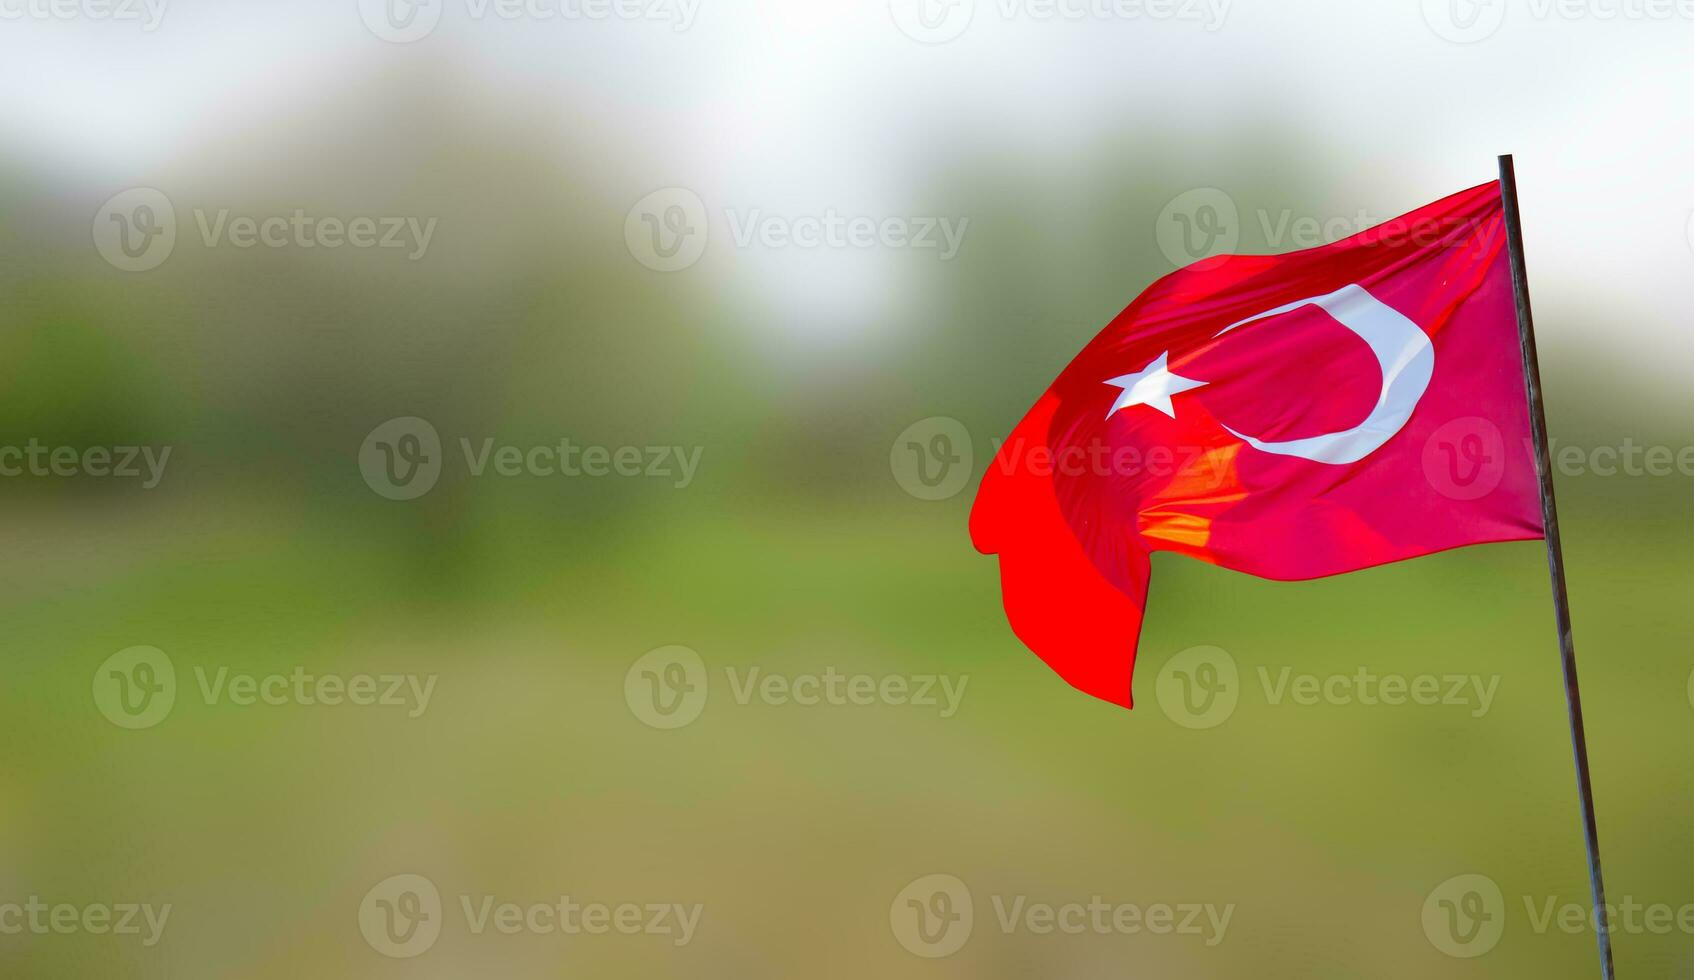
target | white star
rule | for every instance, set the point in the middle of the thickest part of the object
(1153, 386)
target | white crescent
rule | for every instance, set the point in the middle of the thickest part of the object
(1402, 350)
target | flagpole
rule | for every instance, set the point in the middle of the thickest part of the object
(1555, 555)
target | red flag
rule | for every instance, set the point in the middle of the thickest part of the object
(1291, 416)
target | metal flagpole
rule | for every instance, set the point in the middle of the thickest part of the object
(1555, 555)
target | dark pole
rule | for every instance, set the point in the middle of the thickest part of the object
(1555, 555)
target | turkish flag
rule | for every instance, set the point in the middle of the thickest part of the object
(1290, 416)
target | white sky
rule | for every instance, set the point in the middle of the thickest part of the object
(793, 106)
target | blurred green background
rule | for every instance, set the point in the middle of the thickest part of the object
(795, 549)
